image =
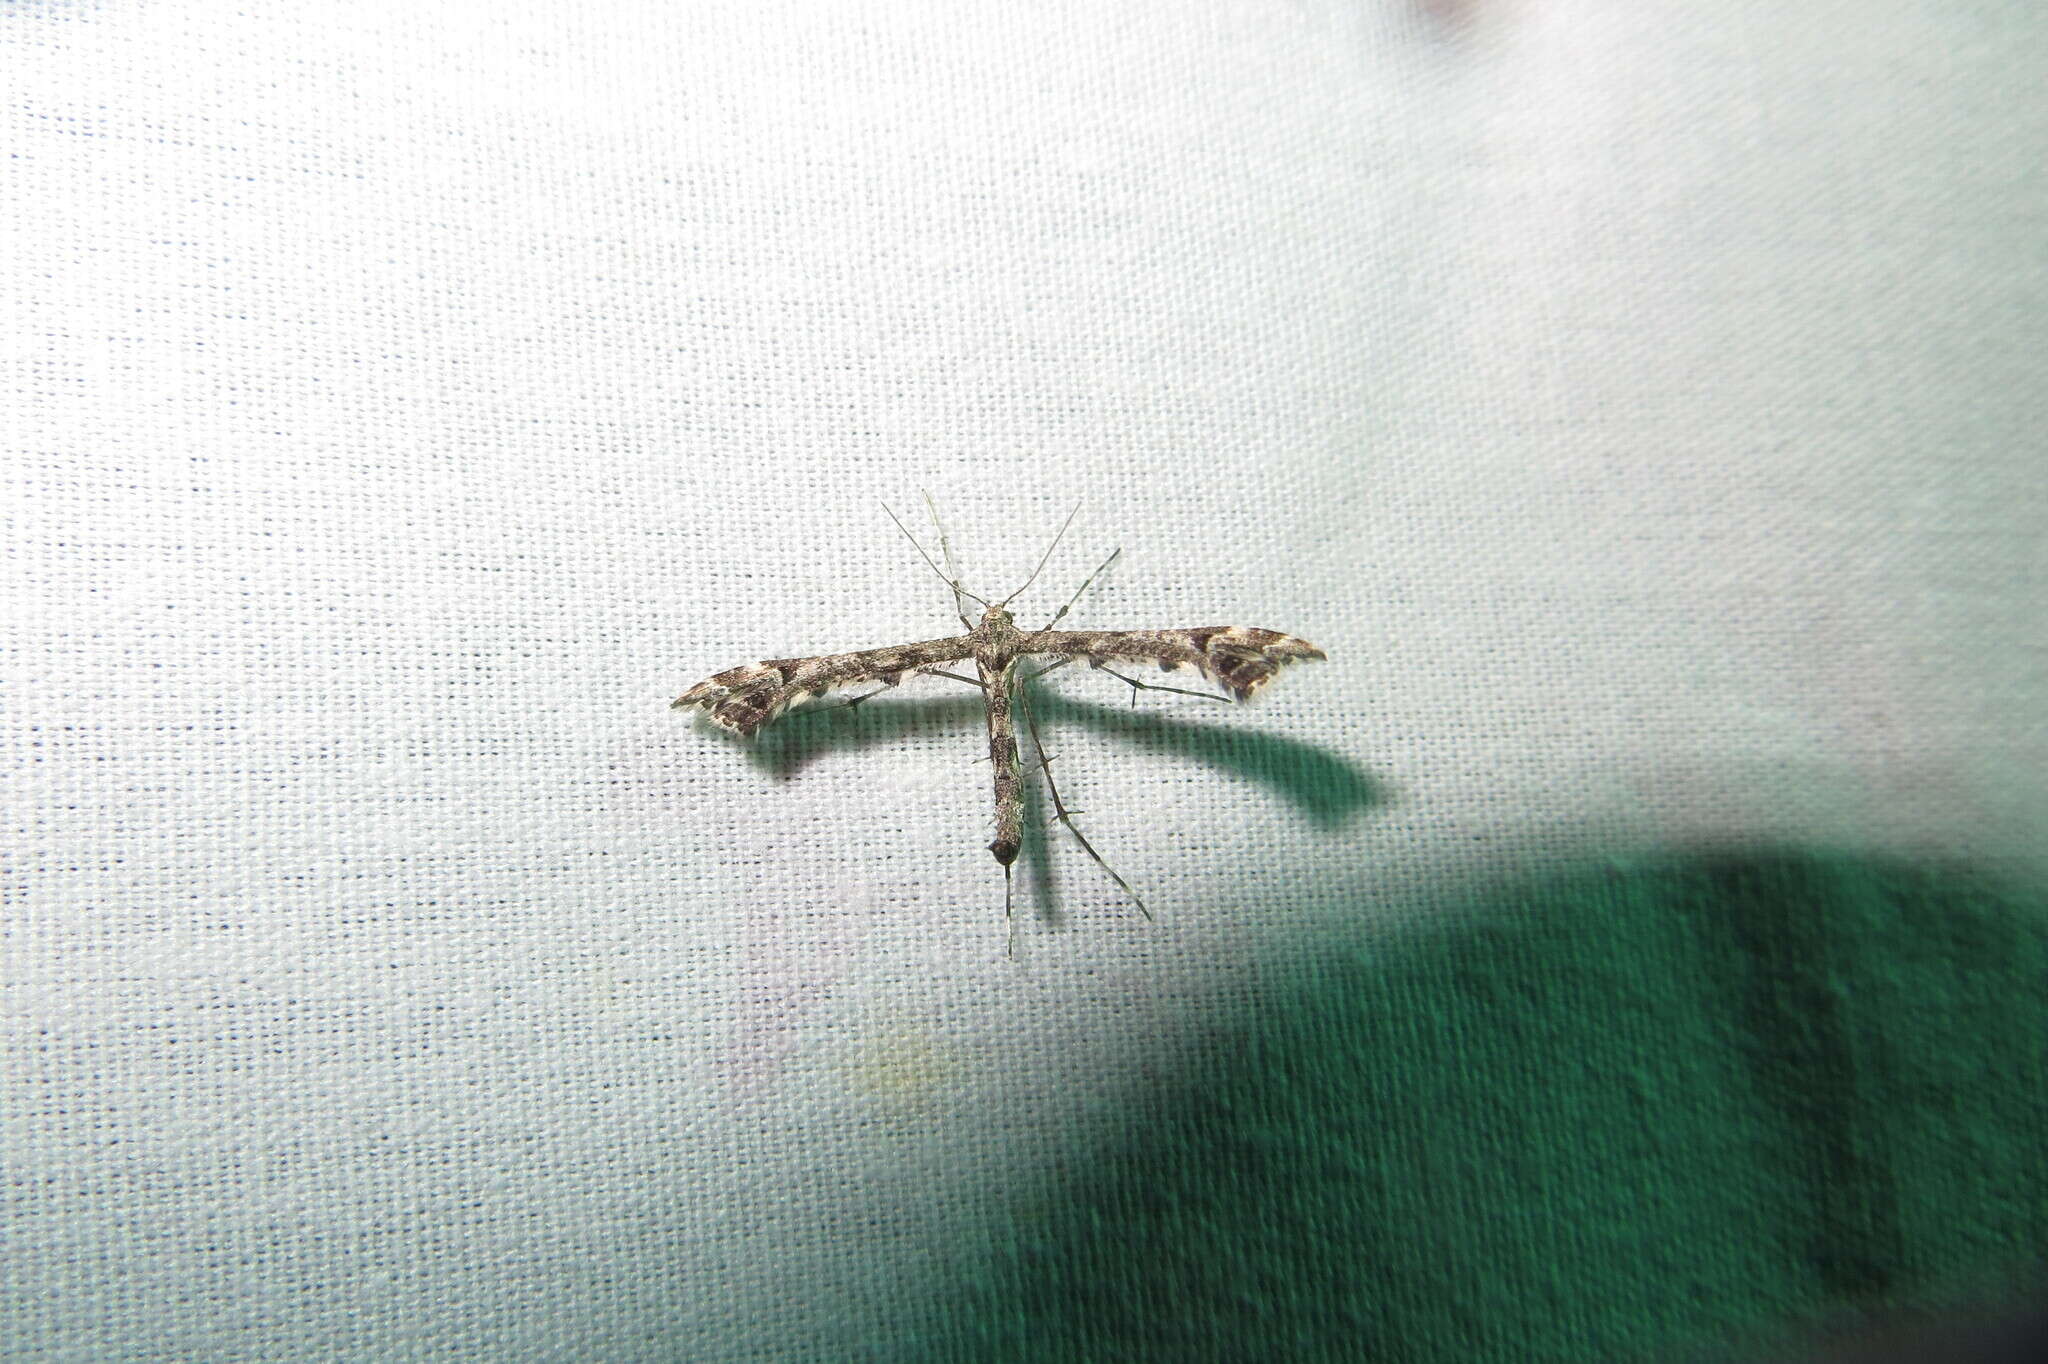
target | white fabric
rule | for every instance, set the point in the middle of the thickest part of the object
(1642, 403)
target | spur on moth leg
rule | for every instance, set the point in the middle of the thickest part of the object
(1240, 658)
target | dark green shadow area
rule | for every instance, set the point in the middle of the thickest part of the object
(1661, 1111)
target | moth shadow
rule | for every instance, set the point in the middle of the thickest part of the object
(800, 737)
(1325, 788)
(1318, 783)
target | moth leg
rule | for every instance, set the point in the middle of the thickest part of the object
(941, 672)
(849, 702)
(1048, 668)
(1137, 686)
(1066, 816)
(1133, 682)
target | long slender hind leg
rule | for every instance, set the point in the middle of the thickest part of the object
(1066, 816)
(849, 702)
(1133, 683)
(1136, 686)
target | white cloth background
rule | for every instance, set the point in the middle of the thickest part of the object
(1642, 403)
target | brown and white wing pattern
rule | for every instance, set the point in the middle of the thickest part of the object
(745, 698)
(1241, 658)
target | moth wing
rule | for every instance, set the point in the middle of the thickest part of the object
(1239, 658)
(746, 698)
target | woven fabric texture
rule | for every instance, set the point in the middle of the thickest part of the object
(1640, 404)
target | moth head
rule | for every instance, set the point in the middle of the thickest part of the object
(998, 617)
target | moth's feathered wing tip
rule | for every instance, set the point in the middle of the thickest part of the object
(711, 719)
(1293, 650)
(1305, 653)
(703, 694)
(706, 713)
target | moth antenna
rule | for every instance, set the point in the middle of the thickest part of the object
(1045, 556)
(952, 564)
(1057, 615)
(954, 583)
